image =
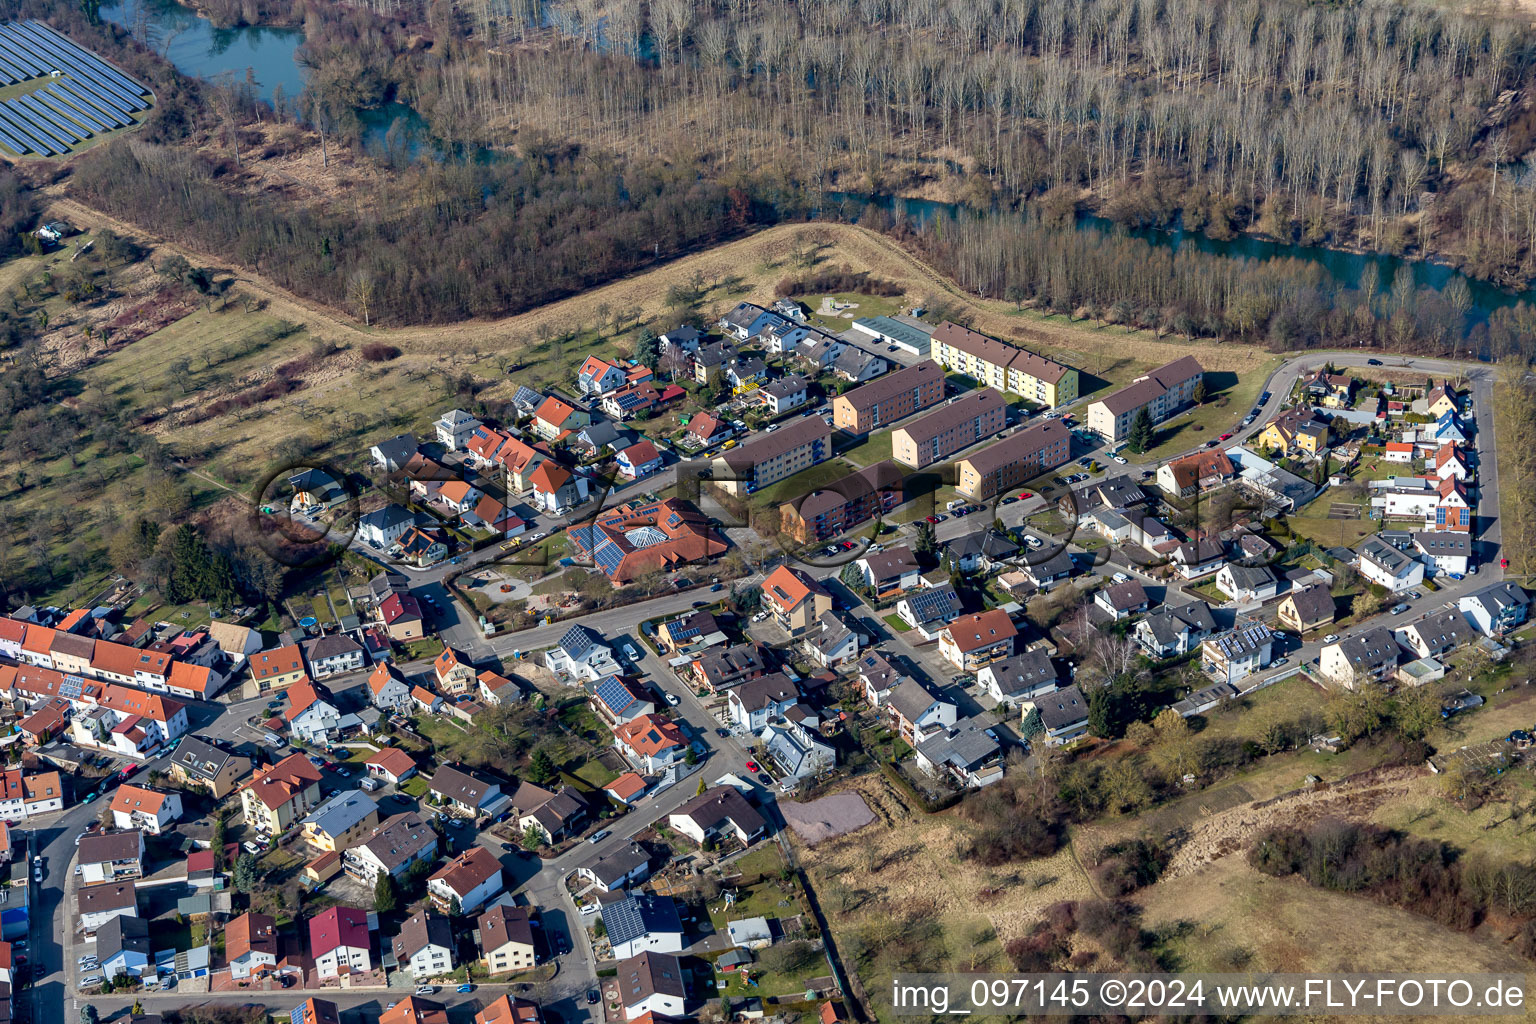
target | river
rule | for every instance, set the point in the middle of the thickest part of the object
(267, 56)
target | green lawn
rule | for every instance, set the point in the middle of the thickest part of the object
(596, 773)
(426, 647)
(896, 623)
(876, 448)
(1247, 719)
(1229, 398)
(1327, 532)
(415, 786)
(803, 483)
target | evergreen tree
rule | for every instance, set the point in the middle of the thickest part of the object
(542, 768)
(196, 572)
(1200, 392)
(88, 1014)
(1141, 437)
(245, 873)
(925, 541)
(384, 897)
(455, 908)
(532, 838)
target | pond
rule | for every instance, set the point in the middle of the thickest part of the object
(199, 50)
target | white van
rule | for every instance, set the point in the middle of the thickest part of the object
(273, 739)
(950, 506)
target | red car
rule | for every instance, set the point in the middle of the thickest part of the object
(931, 519)
(1226, 437)
(1503, 563)
(751, 766)
(1024, 495)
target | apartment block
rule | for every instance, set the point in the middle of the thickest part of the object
(857, 498)
(887, 399)
(1014, 460)
(1163, 392)
(1003, 367)
(772, 457)
(958, 425)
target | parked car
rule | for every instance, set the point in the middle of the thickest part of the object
(1398, 609)
(425, 990)
(672, 699)
(599, 836)
(466, 987)
(91, 981)
(1225, 437)
(593, 996)
(1120, 459)
(1331, 638)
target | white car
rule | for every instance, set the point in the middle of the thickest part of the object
(94, 979)
(425, 990)
(1331, 638)
(672, 699)
(1120, 459)
(87, 960)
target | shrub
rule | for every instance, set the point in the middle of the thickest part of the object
(378, 352)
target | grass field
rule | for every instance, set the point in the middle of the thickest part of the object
(1331, 532)
(876, 448)
(1230, 396)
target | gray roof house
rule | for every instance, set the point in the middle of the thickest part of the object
(393, 454)
(929, 610)
(617, 869)
(1436, 633)
(966, 752)
(1174, 630)
(643, 922)
(1496, 609)
(1063, 715)
(1019, 678)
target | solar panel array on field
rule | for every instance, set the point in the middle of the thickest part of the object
(85, 97)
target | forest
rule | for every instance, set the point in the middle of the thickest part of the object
(1401, 127)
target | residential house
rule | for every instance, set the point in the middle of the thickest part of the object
(1298, 431)
(835, 644)
(1048, 572)
(1333, 390)
(1023, 677)
(783, 394)
(315, 1011)
(1384, 564)
(889, 572)
(506, 939)
(597, 376)
(250, 945)
(691, 631)
(1122, 600)
(795, 746)
(627, 788)
(123, 947)
(1239, 652)
(331, 655)
(141, 807)
(796, 600)
(557, 490)
(314, 490)
(1435, 633)
(278, 669)
(617, 700)
(342, 822)
(771, 457)
(683, 338)
(496, 689)
(639, 460)
(1199, 473)
(635, 399)
(1451, 463)
(1444, 552)
(520, 461)
(978, 639)
(878, 677)
(425, 945)
(1196, 558)
(420, 547)
(550, 815)
(929, 610)
(1495, 610)
(618, 869)
(382, 527)
(1062, 717)
(202, 765)
(97, 904)
(745, 373)
(746, 319)
(1002, 367)
(277, 797)
(390, 764)
(388, 689)
(855, 499)
(638, 538)
(467, 792)
(471, 878)
(111, 856)
(974, 552)
(651, 743)
(392, 455)
(454, 671)
(968, 754)
(1356, 660)
(1014, 460)
(415, 1010)
(581, 654)
(706, 430)
(402, 618)
(1306, 609)
(454, 428)
(719, 670)
(427, 701)
(759, 701)
(555, 418)
(949, 428)
(397, 844)
(917, 713)
(1453, 510)
(893, 397)
(719, 812)
(1164, 392)
(1442, 400)
(1248, 583)
(652, 984)
(601, 437)
(310, 716)
(340, 942)
(492, 516)
(643, 922)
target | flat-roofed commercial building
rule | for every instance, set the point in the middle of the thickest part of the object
(1014, 460)
(887, 399)
(946, 430)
